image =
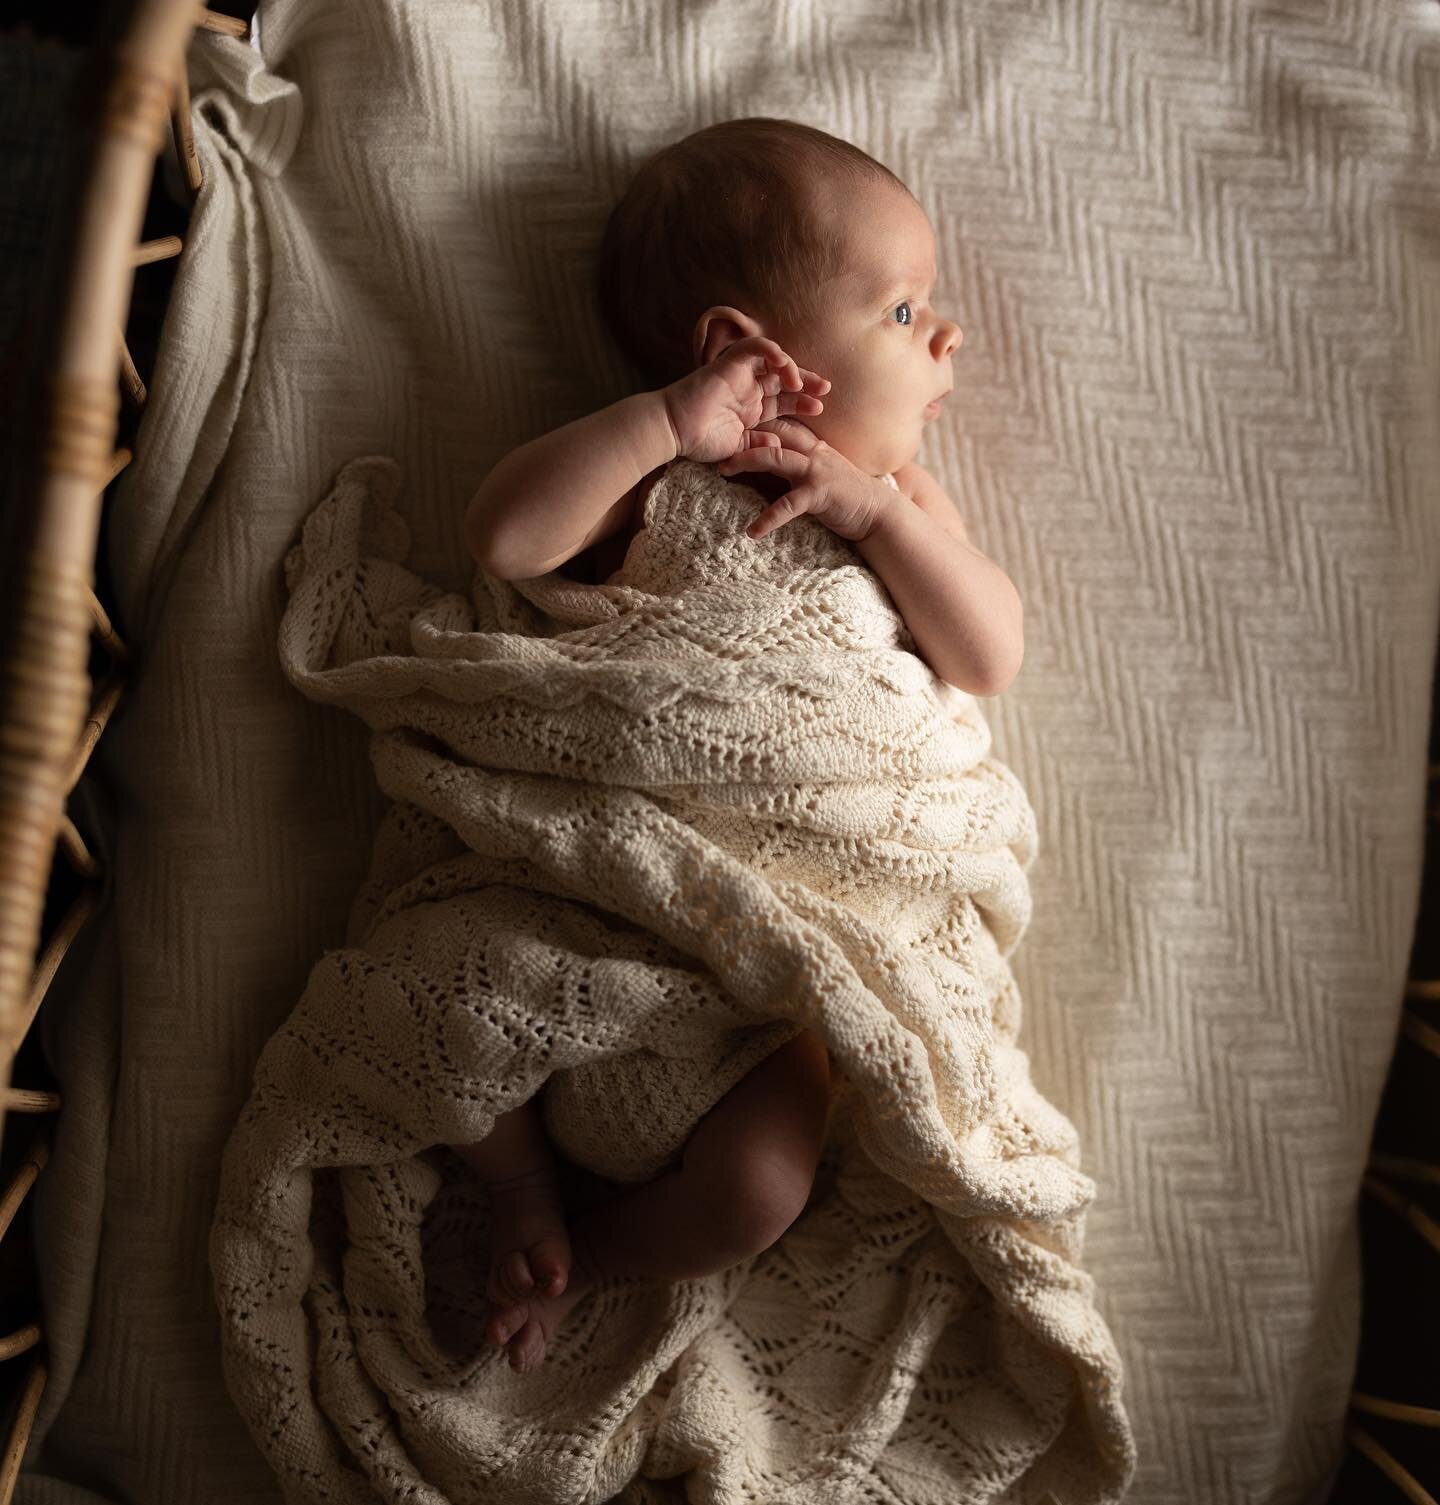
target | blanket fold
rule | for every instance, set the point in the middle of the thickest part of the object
(642, 832)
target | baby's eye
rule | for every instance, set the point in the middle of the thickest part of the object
(910, 306)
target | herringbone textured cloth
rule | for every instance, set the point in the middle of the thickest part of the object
(1194, 251)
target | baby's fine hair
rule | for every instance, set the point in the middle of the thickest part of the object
(721, 216)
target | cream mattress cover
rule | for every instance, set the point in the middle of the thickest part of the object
(1195, 419)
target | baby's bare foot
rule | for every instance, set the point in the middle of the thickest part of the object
(529, 1243)
(527, 1328)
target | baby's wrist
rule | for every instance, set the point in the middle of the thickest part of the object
(887, 502)
(667, 407)
(643, 437)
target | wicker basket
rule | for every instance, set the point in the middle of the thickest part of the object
(64, 420)
(64, 671)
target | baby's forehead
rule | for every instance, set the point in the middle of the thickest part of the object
(882, 242)
(871, 271)
(860, 281)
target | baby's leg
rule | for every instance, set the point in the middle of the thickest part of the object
(745, 1175)
(529, 1245)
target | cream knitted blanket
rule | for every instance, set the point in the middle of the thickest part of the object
(642, 832)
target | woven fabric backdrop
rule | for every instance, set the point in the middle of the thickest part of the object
(1194, 252)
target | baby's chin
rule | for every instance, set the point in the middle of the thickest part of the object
(898, 459)
(879, 463)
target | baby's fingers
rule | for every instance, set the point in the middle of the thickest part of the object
(798, 402)
(772, 358)
(790, 374)
(796, 377)
(803, 381)
(803, 393)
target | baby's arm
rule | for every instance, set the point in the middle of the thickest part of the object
(961, 608)
(565, 490)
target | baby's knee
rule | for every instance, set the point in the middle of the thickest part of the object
(761, 1196)
(752, 1159)
(767, 1171)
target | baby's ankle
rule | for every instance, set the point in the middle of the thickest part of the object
(539, 1174)
(515, 1146)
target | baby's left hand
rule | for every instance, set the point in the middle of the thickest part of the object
(822, 482)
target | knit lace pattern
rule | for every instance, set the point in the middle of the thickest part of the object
(640, 833)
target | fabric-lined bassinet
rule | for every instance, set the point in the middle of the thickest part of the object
(1174, 411)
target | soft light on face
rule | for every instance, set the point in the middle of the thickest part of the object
(884, 346)
(877, 337)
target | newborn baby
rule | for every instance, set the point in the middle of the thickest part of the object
(815, 381)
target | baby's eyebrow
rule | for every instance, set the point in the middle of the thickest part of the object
(884, 286)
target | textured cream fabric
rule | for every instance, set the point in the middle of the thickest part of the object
(1193, 249)
(644, 830)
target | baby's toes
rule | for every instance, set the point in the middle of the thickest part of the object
(510, 1282)
(549, 1260)
(503, 1320)
(528, 1348)
(529, 1241)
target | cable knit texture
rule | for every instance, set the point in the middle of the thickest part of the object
(642, 832)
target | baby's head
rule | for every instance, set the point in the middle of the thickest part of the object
(768, 227)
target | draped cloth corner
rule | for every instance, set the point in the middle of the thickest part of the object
(642, 832)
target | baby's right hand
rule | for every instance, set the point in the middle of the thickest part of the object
(715, 409)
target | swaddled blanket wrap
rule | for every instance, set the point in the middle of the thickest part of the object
(642, 832)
